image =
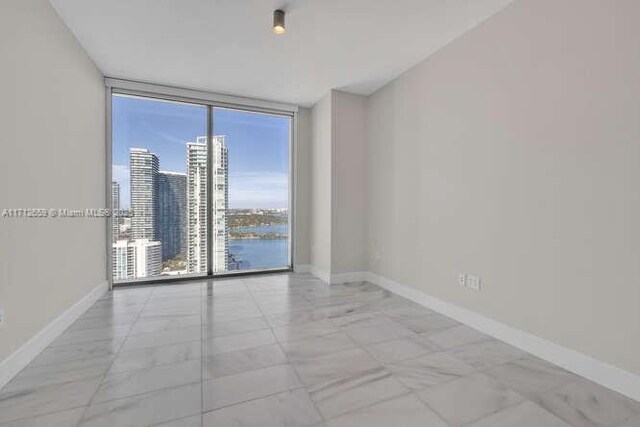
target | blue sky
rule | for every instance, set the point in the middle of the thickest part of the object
(258, 146)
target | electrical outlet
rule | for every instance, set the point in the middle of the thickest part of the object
(469, 281)
(462, 279)
(473, 282)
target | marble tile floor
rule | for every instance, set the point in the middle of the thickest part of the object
(288, 350)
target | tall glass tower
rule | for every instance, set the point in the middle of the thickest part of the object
(197, 179)
(115, 207)
(220, 194)
(172, 213)
(143, 169)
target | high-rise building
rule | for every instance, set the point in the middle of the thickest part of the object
(172, 214)
(197, 205)
(220, 194)
(123, 260)
(143, 170)
(115, 207)
(136, 258)
(148, 256)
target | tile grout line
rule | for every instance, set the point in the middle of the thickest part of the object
(153, 289)
(324, 419)
(382, 365)
(143, 394)
(363, 348)
(495, 412)
(305, 297)
(286, 355)
(482, 371)
(31, 417)
(114, 358)
(357, 345)
(409, 390)
(204, 295)
(415, 392)
(253, 399)
(76, 380)
(437, 348)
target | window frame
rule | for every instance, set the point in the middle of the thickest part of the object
(209, 100)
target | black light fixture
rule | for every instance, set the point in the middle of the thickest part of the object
(278, 21)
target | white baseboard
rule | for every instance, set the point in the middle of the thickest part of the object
(336, 279)
(20, 358)
(609, 376)
(302, 268)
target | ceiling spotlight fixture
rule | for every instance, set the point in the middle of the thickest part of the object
(278, 21)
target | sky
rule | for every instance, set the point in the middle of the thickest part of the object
(258, 146)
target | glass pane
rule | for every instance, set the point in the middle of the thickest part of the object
(159, 184)
(250, 190)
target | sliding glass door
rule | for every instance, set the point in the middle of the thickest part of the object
(197, 190)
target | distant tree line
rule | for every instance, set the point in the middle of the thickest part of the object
(254, 220)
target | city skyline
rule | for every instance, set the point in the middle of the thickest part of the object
(258, 146)
(161, 173)
(170, 213)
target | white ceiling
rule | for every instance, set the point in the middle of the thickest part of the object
(227, 46)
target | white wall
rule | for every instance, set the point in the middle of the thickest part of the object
(52, 156)
(302, 234)
(349, 183)
(321, 178)
(339, 190)
(512, 154)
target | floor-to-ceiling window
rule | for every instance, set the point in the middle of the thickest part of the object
(159, 188)
(197, 189)
(251, 159)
